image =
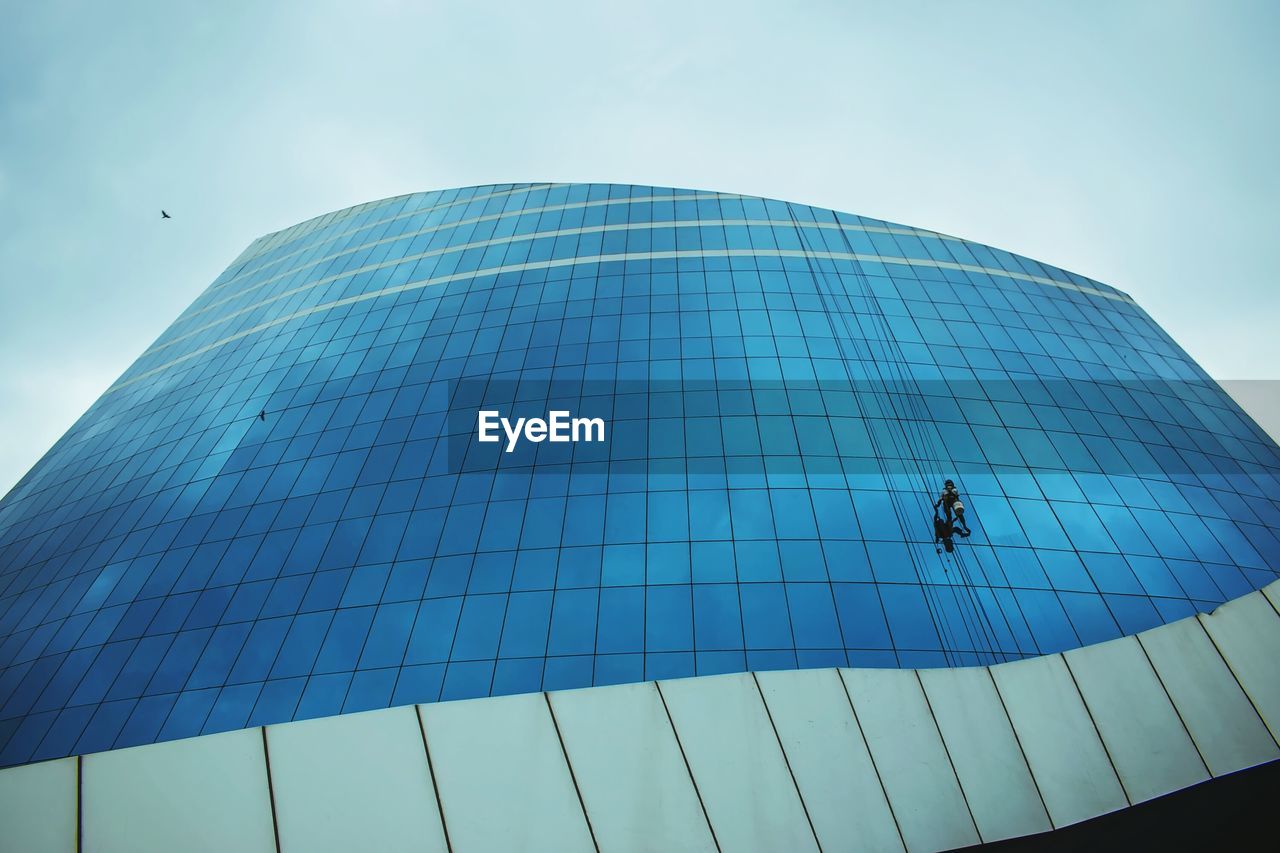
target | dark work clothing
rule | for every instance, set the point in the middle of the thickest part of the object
(942, 532)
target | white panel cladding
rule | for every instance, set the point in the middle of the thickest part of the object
(628, 766)
(1066, 757)
(1222, 721)
(776, 757)
(354, 782)
(985, 753)
(1247, 634)
(911, 758)
(1272, 592)
(829, 759)
(38, 808)
(503, 780)
(1148, 744)
(206, 793)
(737, 764)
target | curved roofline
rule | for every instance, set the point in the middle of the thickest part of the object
(692, 190)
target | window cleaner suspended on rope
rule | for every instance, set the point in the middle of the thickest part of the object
(944, 529)
(950, 501)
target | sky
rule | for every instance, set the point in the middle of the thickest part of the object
(1131, 142)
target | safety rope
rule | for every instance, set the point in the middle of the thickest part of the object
(981, 632)
(917, 424)
(937, 614)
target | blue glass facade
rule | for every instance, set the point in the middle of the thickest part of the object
(278, 512)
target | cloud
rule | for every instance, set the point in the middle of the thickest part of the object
(42, 401)
(1136, 156)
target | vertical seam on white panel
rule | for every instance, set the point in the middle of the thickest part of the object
(687, 766)
(1097, 732)
(786, 761)
(431, 771)
(1021, 750)
(871, 757)
(1262, 591)
(1218, 651)
(79, 803)
(950, 763)
(1177, 712)
(271, 791)
(572, 776)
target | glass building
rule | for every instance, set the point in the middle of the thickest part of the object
(282, 510)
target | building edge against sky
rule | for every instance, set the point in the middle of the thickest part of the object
(279, 512)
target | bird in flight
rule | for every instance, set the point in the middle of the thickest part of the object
(262, 416)
(164, 215)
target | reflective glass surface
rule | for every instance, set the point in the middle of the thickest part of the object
(280, 510)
